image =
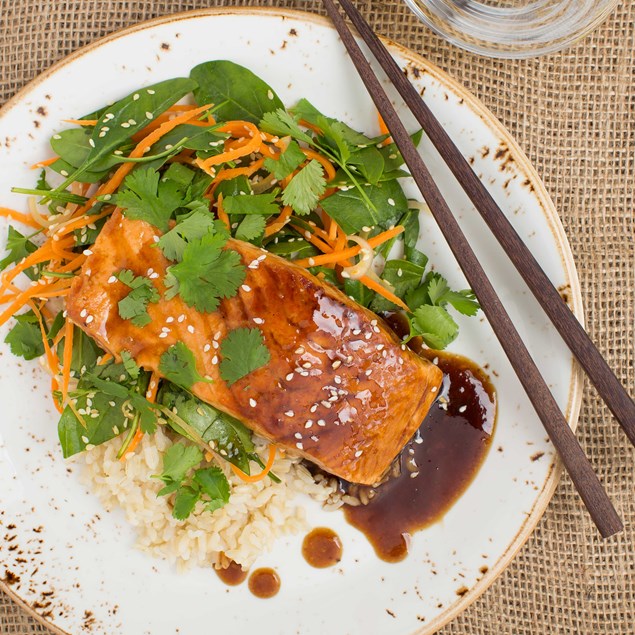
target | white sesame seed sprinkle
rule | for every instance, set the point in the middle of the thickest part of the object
(206, 348)
(215, 360)
(321, 423)
(289, 413)
(162, 335)
(91, 143)
(259, 321)
(359, 453)
(462, 408)
(313, 408)
(252, 403)
(246, 288)
(289, 377)
(299, 445)
(89, 319)
(181, 318)
(190, 328)
(83, 313)
(337, 363)
(308, 424)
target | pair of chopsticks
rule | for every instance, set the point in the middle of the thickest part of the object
(610, 389)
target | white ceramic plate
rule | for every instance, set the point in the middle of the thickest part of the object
(75, 564)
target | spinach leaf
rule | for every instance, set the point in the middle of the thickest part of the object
(292, 246)
(252, 204)
(359, 292)
(352, 213)
(126, 117)
(404, 277)
(369, 162)
(230, 438)
(234, 187)
(85, 352)
(235, 91)
(411, 236)
(73, 148)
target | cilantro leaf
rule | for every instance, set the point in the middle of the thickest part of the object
(178, 365)
(214, 484)
(150, 198)
(435, 325)
(185, 501)
(133, 307)
(250, 228)
(18, 246)
(25, 338)
(206, 273)
(283, 124)
(239, 185)
(463, 301)
(286, 162)
(243, 351)
(305, 188)
(404, 277)
(194, 225)
(129, 364)
(252, 204)
(178, 460)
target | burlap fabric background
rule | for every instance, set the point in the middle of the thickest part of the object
(574, 115)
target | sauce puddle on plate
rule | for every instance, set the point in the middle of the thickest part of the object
(322, 548)
(232, 575)
(264, 583)
(436, 466)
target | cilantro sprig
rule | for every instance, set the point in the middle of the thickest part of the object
(243, 351)
(178, 365)
(134, 306)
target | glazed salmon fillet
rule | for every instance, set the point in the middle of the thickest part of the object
(339, 389)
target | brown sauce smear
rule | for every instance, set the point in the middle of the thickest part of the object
(437, 465)
(264, 583)
(322, 548)
(233, 575)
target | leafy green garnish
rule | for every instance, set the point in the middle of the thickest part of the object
(148, 197)
(243, 351)
(440, 294)
(305, 188)
(206, 274)
(284, 124)
(250, 228)
(25, 338)
(435, 325)
(286, 162)
(252, 204)
(235, 90)
(404, 277)
(207, 484)
(178, 365)
(191, 227)
(129, 364)
(19, 246)
(134, 306)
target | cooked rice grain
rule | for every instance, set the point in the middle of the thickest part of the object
(257, 513)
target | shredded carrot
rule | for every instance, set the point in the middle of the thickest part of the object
(310, 126)
(344, 254)
(314, 240)
(222, 214)
(231, 173)
(279, 222)
(73, 264)
(43, 254)
(383, 291)
(329, 170)
(66, 361)
(257, 477)
(83, 221)
(81, 122)
(182, 108)
(138, 435)
(151, 395)
(252, 143)
(25, 219)
(56, 403)
(383, 128)
(44, 163)
(51, 357)
(269, 152)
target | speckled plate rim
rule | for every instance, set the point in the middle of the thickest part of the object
(539, 192)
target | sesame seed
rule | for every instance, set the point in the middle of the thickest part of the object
(252, 403)
(368, 336)
(326, 404)
(190, 328)
(289, 413)
(400, 361)
(289, 377)
(215, 344)
(337, 363)
(299, 446)
(150, 91)
(88, 252)
(246, 288)
(313, 407)
(270, 94)
(359, 453)
(118, 153)
(112, 404)
(391, 201)
(57, 136)
(369, 372)
(299, 351)
(84, 439)
(217, 335)
(181, 318)
(379, 347)
(344, 274)
(63, 172)
(259, 321)
(91, 143)
(125, 124)
(162, 335)
(89, 319)
(308, 424)
(321, 423)
(462, 408)
(206, 348)
(149, 115)
(365, 228)
(215, 360)
(356, 331)
(433, 389)
(306, 365)
(337, 379)
(135, 97)
(83, 313)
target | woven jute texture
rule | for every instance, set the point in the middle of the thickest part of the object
(574, 115)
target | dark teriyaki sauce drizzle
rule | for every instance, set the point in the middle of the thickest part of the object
(437, 465)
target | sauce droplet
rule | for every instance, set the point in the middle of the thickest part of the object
(233, 575)
(264, 583)
(322, 548)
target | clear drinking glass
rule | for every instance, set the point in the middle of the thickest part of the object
(512, 28)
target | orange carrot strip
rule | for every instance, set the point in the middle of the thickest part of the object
(383, 291)
(81, 122)
(51, 357)
(279, 222)
(310, 126)
(253, 143)
(337, 256)
(231, 173)
(25, 219)
(313, 239)
(56, 403)
(182, 108)
(383, 128)
(66, 361)
(257, 477)
(83, 221)
(104, 360)
(73, 264)
(43, 254)
(222, 214)
(329, 170)
(138, 435)
(44, 163)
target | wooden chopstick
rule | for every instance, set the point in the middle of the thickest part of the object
(571, 331)
(595, 498)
